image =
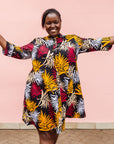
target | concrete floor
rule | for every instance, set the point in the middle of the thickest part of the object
(67, 137)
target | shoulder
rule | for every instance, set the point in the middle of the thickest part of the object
(38, 41)
(73, 37)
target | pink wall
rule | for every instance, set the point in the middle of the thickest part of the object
(20, 23)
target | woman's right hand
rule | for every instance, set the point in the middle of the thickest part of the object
(2, 42)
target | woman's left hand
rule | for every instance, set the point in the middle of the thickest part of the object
(112, 40)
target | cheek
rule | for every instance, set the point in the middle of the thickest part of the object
(47, 28)
(59, 27)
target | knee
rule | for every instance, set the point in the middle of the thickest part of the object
(49, 137)
(45, 136)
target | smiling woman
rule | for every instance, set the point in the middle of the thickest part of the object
(51, 21)
(52, 24)
(53, 91)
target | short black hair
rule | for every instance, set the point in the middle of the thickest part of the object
(52, 10)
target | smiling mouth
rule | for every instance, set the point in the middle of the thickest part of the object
(53, 30)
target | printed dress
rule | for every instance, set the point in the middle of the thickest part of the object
(53, 90)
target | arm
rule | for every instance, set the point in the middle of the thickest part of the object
(100, 44)
(23, 52)
(90, 44)
(2, 42)
(112, 40)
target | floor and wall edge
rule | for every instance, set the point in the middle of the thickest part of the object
(68, 125)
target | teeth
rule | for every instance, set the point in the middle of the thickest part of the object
(53, 30)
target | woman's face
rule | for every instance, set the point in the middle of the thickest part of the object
(52, 24)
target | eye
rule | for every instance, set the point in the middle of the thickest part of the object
(56, 22)
(48, 23)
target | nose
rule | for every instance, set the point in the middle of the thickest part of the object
(52, 25)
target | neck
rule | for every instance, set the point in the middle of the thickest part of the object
(56, 36)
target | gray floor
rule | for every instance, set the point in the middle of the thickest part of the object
(67, 137)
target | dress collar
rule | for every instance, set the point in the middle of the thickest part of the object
(58, 36)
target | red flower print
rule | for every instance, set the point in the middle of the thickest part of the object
(51, 112)
(42, 50)
(92, 49)
(32, 122)
(70, 111)
(54, 74)
(25, 104)
(71, 55)
(27, 47)
(35, 90)
(63, 95)
(54, 46)
(59, 40)
(6, 51)
(16, 55)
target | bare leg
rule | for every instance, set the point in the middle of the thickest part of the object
(48, 137)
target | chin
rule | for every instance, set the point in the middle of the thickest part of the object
(53, 34)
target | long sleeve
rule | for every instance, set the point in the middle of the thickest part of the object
(23, 52)
(90, 44)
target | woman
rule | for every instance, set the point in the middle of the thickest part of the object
(53, 89)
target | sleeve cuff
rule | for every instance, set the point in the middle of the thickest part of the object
(8, 49)
(106, 44)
